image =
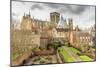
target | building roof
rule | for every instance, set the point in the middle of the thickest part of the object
(55, 12)
(83, 34)
(62, 29)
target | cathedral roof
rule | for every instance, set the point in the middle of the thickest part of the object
(83, 34)
(62, 29)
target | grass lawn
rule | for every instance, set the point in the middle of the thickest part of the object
(85, 58)
(35, 49)
(74, 50)
(66, 56)
(14, 56)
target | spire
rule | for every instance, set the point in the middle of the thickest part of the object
(61, 19)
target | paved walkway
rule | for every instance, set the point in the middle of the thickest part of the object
(59, 58)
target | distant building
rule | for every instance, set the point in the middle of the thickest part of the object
(93, 34)
(80, 38)
(62, 23)
(25, 39)
(77, 28)
(70, 22)
(49, 29)
(22, 43)
(61, 32)
(84, 37)
(70, 32)
(26, 22)
(35, 33)
(54, 17)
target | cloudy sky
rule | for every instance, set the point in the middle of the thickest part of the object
(82, 15)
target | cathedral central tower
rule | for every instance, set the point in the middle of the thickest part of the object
(54, 18)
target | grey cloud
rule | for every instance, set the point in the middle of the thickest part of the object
(76, 9)
(73, 9)
(36, 6)
(91, 14)
(15, 17)
(54, 6)
(91, 18)
(63, 8)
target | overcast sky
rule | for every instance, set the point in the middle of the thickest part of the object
(82, 15)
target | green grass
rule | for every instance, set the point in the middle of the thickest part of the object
(66, 56)
(85, 58)
(35, 49)
(74, 50)
(14, 56)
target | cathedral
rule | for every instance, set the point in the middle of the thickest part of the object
(56, 21)
(57, 28)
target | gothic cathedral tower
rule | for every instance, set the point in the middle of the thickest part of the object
(26, 23)
(70, 21)
(70, 33)
(54, 18)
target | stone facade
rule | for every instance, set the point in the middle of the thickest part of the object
(55, 17)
